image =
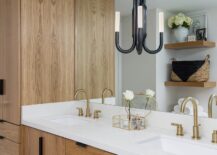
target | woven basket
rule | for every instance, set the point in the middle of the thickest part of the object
(191, 71)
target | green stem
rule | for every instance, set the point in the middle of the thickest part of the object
(129, 110)
(147, 103)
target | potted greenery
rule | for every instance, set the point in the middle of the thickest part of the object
(180, 25)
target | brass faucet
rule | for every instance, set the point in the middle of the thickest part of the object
(210, 104)
(214, 137)
(179, 129)
(88, 114)
(96, 114)
(103, 93)
(196, 134)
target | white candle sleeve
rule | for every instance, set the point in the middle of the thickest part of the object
(140, 16)
(117, 21)
(161, 22)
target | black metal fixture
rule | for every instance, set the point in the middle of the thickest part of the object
(139, 29)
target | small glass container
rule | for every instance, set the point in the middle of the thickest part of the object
(134, 123)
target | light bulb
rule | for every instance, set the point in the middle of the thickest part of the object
(161, 22)
(140, 16)
(117, 21)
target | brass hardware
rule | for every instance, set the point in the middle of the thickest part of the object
(80, 112)
(96, 114)
(196, 134)
(210, 104)
(88, 114)
(214, 137)
(103, 93)
(179, 131)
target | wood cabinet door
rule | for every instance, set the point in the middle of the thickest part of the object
(75, 149)
(47, 47)
(10, 57)
(1, 58)
(94, 46)
(34, 140)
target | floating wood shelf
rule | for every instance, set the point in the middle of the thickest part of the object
(191, 84)
(192, 44)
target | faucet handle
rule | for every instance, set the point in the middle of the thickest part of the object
(80, 112)
(96, 114)
(214, 137)
(179, 130)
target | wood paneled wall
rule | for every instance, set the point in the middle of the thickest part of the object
(10, 59)
(94, 46)
(47, 34)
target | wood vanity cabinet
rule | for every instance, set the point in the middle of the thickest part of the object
(34, 140)
(73, 148)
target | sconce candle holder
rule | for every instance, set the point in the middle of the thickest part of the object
(139, 29)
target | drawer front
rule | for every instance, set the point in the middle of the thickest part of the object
(10, 131)
(8, 147)
(73, 148)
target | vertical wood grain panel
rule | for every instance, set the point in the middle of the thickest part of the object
(52, 145)
(94, 46)
(10, 50)
(47, 45)
(2, 49)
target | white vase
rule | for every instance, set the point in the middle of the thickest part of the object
(181, 34)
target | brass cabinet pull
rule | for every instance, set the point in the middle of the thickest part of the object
(179, 130)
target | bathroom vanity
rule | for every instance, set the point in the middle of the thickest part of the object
(52, 49)
(61, 131)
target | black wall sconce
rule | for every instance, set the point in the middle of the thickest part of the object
(139, 27)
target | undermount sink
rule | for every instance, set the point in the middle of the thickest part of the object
(170, 146)
(70, 121)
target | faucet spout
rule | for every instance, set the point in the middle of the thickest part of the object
(196, 134)
(88, 114)
(103, 94)
(212, 97)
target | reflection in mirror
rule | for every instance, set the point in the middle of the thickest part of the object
(140, 73)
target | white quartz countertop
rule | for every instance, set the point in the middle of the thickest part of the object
(97, 133)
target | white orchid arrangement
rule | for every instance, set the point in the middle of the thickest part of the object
(128, 96)
(180, 20)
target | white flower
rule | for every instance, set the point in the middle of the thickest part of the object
(128, 95)
(149, 93)
(189, 21)
(179, 20)
(181, 15)
(171, 21)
